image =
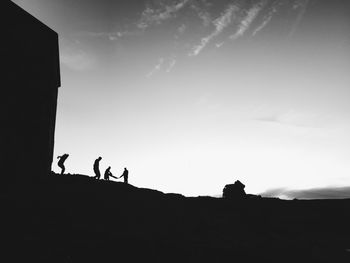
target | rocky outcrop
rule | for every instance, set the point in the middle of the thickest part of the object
(234, 191)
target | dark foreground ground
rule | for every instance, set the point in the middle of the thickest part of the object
(77, 219)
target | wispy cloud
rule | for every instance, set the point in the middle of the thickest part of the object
(206, 18)
(220, 24)
(301, 6)
(247, 21)
(171, 65)
(156, 68)
(164, 65)
(182, 29)
(298, 5)
(299, 119)
(228, 17)
(108, 35)
(202, 14)
(159, 13)
(313, 193)
(79, 61)
(218, 45)
(74, 57)
(265, 22)
(262, 25)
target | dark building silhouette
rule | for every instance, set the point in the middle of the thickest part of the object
(30, 81)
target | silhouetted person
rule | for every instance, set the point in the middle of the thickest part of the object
(108, 173)
(97, 167)
(125, 175)
(61, 161)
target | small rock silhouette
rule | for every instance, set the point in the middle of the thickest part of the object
(234, 191)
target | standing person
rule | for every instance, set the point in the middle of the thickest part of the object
(108, 173)
(125, 175)
(97, 168)
(61, 161)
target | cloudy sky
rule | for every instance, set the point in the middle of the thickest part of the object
(193, 94)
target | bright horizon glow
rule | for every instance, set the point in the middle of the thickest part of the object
(194, 97)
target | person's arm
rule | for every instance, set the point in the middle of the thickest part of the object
(113, 176)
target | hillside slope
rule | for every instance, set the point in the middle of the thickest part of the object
(78, 219)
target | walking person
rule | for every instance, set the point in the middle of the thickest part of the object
(61, 161)
(97, 168)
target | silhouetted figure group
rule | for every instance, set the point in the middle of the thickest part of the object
(96, 168)
(108, 172)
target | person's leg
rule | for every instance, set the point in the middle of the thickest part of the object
(63, 169)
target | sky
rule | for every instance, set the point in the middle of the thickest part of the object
(191, 95)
